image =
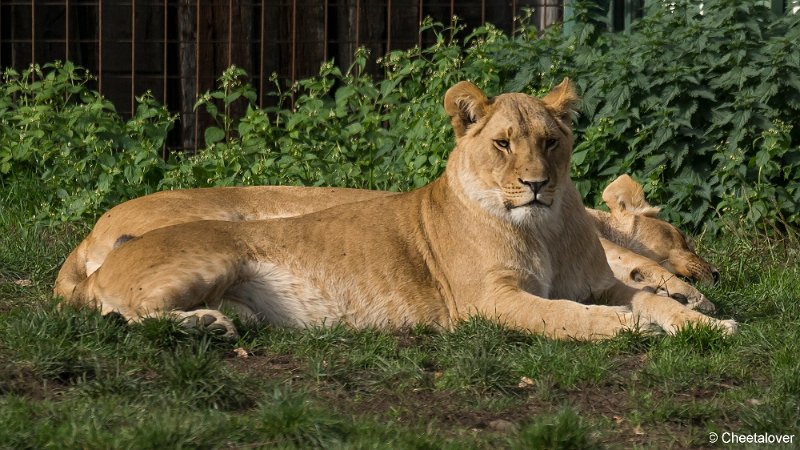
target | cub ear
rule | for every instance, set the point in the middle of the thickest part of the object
(465, 104)
(625, 194)
(562, 100)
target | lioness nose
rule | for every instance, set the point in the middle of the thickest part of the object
(535, 185)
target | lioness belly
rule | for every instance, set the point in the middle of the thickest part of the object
(274, 294)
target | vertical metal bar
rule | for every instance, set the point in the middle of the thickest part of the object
(294, 40)
(164, 64)
(133, 57)
(100, 46)
(483, 12)
(164, 70)
(513, 16)
(197, 74)
(358, 22)
(419, 25)
(261, 57)
(230, 32)
(388, 26)
(66, 31)
(452, 19)
(325, 31)
(33, 33)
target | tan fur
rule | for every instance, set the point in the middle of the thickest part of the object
(138, 216)
(644, 273)
(502, 234)
(632, 223)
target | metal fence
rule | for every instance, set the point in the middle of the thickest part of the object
(177, 48)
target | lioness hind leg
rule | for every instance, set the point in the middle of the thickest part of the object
(72, 272)
(209, 319)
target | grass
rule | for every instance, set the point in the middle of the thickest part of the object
(73, 379)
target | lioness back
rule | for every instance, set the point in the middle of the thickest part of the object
(364, 267)
(162, 209)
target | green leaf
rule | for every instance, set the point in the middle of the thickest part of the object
(213, 135)
(579, 157)
(652, 162)
(420, 161)
(344, 93)
(617, 99)
(233, 97)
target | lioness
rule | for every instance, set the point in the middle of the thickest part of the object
(502, 234)
(631, 224)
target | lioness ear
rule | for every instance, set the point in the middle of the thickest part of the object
(465, 104)
(625, 194)
(562, 100)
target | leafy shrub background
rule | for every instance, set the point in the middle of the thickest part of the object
(60, 138)
(703, 108)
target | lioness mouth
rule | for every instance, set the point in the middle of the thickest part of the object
(535, 202)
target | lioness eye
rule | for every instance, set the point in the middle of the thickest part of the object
(551, 143)
(502, 143)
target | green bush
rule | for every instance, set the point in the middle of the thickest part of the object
(339, 129)
(55, 130)
(700, 107)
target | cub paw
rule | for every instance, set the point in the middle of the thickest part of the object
(701, 304)
(690, 297)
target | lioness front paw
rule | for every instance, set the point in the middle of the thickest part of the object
(635, 322)
(210, 319)
(607, 321)
(727, 327)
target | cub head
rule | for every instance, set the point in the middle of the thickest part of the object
(652, 237)
(513, 151)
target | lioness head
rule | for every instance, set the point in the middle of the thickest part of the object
(513, 151)
(651, 236)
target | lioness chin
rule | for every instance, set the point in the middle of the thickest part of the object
(502, 234)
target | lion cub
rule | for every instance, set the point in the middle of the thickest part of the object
(502, 234)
